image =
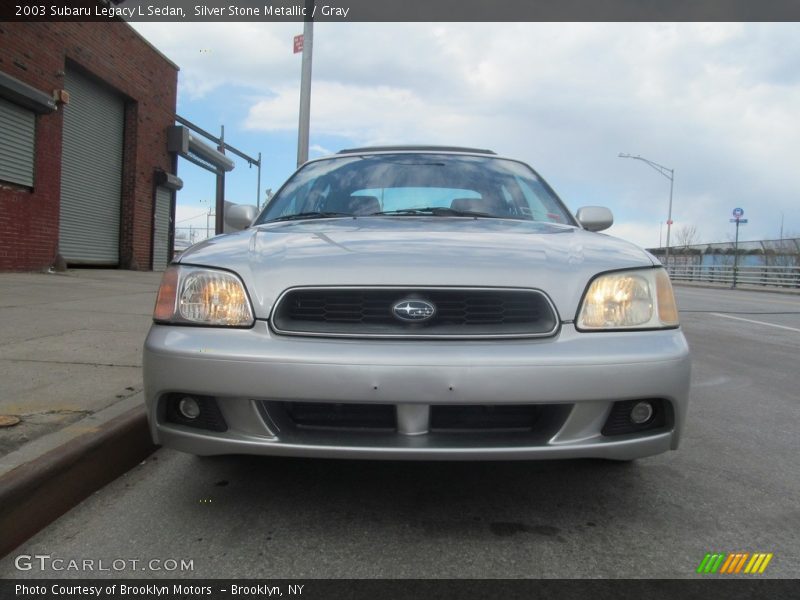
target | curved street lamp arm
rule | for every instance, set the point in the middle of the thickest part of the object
(668, 173)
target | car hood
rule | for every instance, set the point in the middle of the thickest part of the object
(417, 251)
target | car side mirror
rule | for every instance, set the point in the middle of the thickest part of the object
(595, 218)
(239, 216)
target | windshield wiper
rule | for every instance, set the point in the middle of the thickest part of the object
(436, 211)
(309, 215)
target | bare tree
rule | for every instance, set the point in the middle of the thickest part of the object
(785, 253)
(686, 236)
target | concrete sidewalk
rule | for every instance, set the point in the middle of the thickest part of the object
(70, 346)
(71, 375)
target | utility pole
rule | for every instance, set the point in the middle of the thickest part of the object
(305, 84)
(209, 214)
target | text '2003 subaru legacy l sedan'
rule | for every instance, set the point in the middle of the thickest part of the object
(420, 303)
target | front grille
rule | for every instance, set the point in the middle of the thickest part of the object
(296, 421)
(459, 312)
(478, 417)
(341, 416)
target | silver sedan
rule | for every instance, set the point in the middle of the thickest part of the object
(417, 303)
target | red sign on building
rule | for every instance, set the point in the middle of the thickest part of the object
(298, 43)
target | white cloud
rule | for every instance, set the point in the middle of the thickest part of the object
(644, 234)
(319, 150)
(364, 114)
(213, 55)
(715, 101)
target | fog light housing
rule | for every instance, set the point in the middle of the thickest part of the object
(639, 416)
(192, 410)
(641, 413)
(189, 408)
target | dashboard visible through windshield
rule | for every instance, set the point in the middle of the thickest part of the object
(408, 184)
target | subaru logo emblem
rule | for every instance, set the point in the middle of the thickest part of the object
(413, 310)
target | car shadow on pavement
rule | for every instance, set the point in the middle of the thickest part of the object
(475, 499)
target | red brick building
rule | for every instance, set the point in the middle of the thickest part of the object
(84, 113)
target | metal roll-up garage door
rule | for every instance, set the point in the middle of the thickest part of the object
(91, 172)
(161, 228)
(17, 138)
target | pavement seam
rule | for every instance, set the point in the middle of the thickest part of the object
(62, 362)
(55, 412)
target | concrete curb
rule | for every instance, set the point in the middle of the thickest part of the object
(38, 491)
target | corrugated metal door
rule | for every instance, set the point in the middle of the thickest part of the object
(91, 172)
(17, 133)
(161, 229)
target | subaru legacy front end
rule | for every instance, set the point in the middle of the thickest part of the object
(417, 303)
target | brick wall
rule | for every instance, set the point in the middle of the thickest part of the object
(38, 54)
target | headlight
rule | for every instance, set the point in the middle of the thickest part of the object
(197, 296)
(640, 299)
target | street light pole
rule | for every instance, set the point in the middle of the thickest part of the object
(219, 210)
(669, 174)
(669, 211)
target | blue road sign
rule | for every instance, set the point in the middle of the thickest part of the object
(738, 213)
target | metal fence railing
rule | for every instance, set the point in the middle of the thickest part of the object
(767, 275)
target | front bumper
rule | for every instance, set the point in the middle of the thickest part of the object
(245, 370)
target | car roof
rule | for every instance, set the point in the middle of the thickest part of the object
(375, 149)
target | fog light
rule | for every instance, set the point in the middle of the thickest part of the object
(189, 408)
(641, 413)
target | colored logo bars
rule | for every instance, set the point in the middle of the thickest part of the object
(735, 563)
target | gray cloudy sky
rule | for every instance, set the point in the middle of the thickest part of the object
(719, 103)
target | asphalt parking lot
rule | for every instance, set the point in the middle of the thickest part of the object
(733, 486)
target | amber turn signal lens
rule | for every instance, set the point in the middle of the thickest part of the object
(667, 309)
(167, 293)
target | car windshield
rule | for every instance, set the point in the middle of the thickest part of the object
(407, 184)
